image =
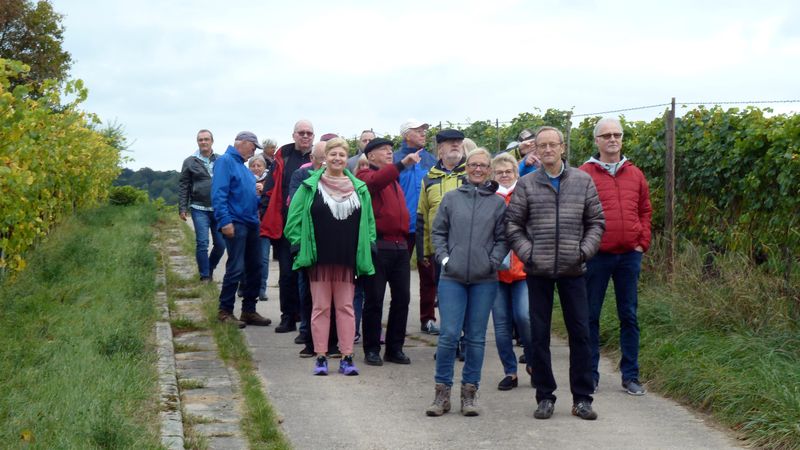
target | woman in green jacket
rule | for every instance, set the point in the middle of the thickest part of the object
(331, 229)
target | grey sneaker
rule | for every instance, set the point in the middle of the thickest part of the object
(584, 411)
(633, 387)
(544, 410)
(430, 328)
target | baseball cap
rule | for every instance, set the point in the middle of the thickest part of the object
(249, 137)
(411, 124)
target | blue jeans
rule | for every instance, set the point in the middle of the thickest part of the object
(244, 261)
(624, 270)
(204, 222)
(463, 307)
(264, 266)
(511, 307)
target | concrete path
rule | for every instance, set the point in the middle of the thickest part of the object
(383, 408)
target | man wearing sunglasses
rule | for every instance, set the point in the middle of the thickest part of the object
(287, 159)
(625, 197)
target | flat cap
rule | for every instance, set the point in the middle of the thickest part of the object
(377, 142)
(449, 135)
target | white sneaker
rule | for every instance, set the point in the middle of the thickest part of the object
(430, 328)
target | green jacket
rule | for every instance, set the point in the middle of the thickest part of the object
(435, 184)
(299, 229)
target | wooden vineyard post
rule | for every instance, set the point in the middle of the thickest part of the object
(669, 191)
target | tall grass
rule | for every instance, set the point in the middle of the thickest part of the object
(722, 336)
(77, 367)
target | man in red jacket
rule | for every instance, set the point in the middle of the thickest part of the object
(391, 260)
(625, 197)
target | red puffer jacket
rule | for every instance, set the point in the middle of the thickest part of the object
(517, 270)
(626, 205)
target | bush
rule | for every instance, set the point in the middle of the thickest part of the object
(127, 196)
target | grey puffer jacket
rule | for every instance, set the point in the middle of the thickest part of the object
(555, 233)
(469, 228)
(194, 187)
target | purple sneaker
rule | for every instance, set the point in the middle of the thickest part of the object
(347, 367)
(321, 366)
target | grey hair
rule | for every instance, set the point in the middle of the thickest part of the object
(604, 121)
(256, 158)
(549, 128)
(269, 142)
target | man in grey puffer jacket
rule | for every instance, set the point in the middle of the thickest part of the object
(554, 223)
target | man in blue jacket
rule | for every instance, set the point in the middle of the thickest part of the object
(233, 195)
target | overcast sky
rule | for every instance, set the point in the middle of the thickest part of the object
(164, 69)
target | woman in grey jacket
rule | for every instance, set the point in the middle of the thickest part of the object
(468, 235)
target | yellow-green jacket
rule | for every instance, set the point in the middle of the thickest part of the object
(434, 185)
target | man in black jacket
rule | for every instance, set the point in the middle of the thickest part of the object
(194, 196)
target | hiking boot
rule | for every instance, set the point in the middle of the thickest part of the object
(469, 394)
(254, 318)
(508, 383)
(584, 411)
(373, 359)
(544, 410)
(430, 328)
(286, 326)
(321, 366)
(347, 367)
(229, 318)
(633, 387)
(307, 351)
(441, 401)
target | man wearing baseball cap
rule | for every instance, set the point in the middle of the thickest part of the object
(414, 134)
(233, 195)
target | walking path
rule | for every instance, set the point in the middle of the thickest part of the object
(383, 408)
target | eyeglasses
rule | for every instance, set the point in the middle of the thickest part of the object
(304, 133)
(608, 136)
(478, 166)
(550, 145)
(504, 172)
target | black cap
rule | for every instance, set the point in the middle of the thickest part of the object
(377, 142)
(449, 135)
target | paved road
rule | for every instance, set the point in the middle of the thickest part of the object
(383, 408)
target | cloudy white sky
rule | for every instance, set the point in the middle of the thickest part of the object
(164, 69)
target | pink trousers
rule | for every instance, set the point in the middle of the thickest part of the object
(332, 284)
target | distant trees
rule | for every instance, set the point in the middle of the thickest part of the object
(32, 33)
(156, 183)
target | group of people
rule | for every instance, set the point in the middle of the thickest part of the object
(492, 234)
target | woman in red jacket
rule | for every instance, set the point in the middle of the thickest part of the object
(511, 304)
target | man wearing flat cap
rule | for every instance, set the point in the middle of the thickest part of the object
(445, 176)
(391, 260)
(233, 195)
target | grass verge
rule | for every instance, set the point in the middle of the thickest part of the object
(723, 338)
(78, 367)
(259, 422)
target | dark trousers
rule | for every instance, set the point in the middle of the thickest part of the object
(244, 263)
(287, 281)
(575, 307)
(391, 266)
(428, 280)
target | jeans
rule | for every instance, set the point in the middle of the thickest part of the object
(463, 307)
(265, 266)
(391, 266)
(244, 260)
(624, 270)
(287, 281)
(510, 308)
(572, 296)
(204, 222)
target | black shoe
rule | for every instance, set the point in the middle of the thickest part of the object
(522, 359)
(301, 339)
(307, 351)
(584, 411)
(461, 350)
(545, 409)
(373, 359)
(286, 326)
(397, 358)
(508, 383)
(334, 353)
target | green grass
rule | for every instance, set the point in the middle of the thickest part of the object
(725, 341)
(78, 366)
(259, 422)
